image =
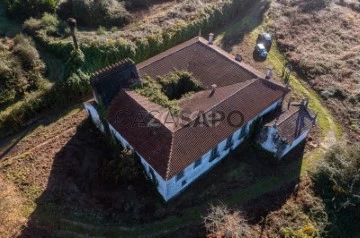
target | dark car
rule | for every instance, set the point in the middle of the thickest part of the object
(265, 39)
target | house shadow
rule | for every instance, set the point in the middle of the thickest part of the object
(77, 191)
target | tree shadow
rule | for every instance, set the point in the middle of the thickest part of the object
(242, 26)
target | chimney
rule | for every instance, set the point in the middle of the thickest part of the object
(269, 73)
(238, 57)
(213, 89)
(211, 38)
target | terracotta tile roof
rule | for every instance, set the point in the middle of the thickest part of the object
(293, 122)
(208, 63)
(190, 143)
(169, 148)
(131, 120)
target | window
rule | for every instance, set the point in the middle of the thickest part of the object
(229, 142)
(183, 183)
(242, 132)
(197, 163)
(179, 176)
(214, 154)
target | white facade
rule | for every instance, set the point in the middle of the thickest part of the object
(271, 143)
(170, 188)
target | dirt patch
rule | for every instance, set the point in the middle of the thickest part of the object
(12, 216)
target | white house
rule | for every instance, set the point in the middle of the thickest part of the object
(287, 130)
(177, 151)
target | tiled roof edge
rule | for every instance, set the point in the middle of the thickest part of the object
(113, 66)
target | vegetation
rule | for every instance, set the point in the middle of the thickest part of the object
(49, 23)
(220, 222)
(21, 70)
(22, 9)
(95, 12)
(122, 166)
(324, 56)
(337, 182)
(138, 42)
(167, 90)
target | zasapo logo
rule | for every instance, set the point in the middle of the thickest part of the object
(183, 119)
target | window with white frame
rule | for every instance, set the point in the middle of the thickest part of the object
(179, 175)
(197, 163)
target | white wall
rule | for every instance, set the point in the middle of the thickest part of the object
(295, 143)
(269, 144)
(94, 116)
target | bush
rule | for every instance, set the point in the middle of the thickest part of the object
(29, 8)
(101, 30)
(337, 182)
(21, 69)
(167, 90)
(220, 222)
(96, 12)
(26, 52)
(122, 167)
(49, 23)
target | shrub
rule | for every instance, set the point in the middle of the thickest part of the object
(101, 30)
(31, 26)
(220, 222)
(122, 167)
(338, 176)
(167, 90)
(29, 8)
(337, 181)
(178, 84)
(49, 23)
(96, 12)
(26, 52)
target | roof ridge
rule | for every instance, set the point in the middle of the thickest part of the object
(170, 157)
(222, 101)
(112, 66)
(141, 105)
(163, 54)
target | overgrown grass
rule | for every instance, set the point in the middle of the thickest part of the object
(337, 182)
(322, 50)
(169, 89)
